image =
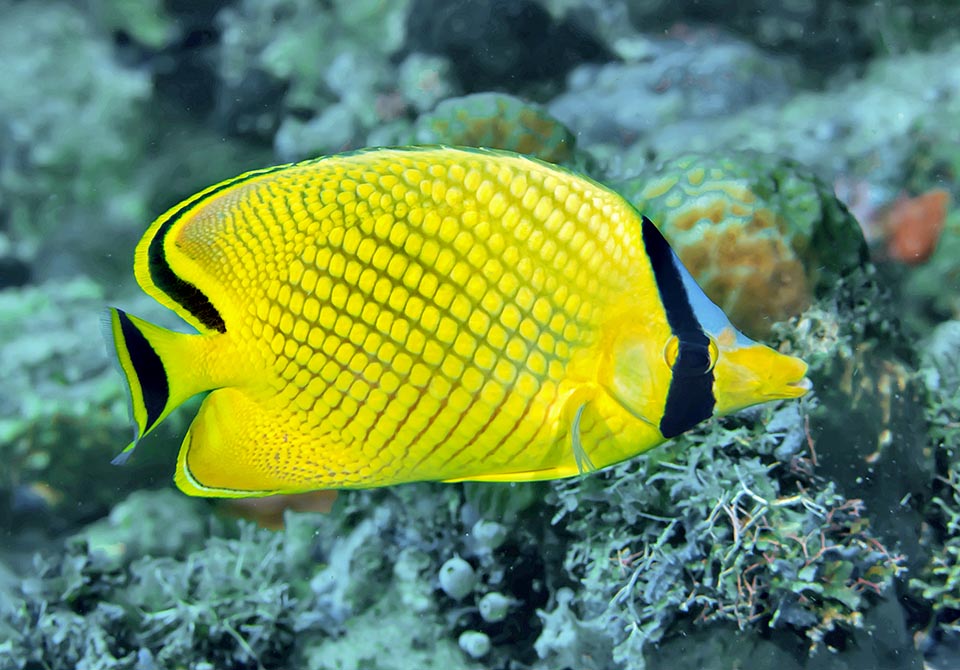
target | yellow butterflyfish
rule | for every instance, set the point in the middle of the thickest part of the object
(424, 313)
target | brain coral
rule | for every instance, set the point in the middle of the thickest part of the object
(761, 234)
(498, 121)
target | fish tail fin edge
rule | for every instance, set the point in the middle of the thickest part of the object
(145, 354)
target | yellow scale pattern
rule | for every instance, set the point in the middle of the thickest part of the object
(421, 314)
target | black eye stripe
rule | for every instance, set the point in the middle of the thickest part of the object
(690, 397)
(693, 359)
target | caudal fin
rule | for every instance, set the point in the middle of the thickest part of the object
(155, 364)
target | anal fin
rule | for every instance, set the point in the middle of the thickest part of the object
(238, 448)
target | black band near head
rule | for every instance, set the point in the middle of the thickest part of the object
(690, 398)
(148, 369)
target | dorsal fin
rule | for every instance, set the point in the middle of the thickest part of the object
(154, 272)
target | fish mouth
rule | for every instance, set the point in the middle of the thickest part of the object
(798, 388)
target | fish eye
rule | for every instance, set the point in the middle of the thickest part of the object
(671, 351)
(690, 359)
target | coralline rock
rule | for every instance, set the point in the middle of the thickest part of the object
(63, 412)
(143, 21)
(703, 75)
(150, 523)
(496, 42)
(69, 130)
(938, 581)
(288, 59)
(824, 35)
(863, 128)
(425, 80)
(568, 642)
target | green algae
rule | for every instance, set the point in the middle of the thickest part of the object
(712, 531)
(938, 582)
(68, 134)
(62, 413)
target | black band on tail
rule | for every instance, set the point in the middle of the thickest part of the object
(148, 369)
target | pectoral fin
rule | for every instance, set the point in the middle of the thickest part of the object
(571, 414)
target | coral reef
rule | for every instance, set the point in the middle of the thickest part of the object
(870, 415)
(498, 121)
(324, 68)
(813, 535)
(497, 43)
(68, 135)
(762, 235)
(823, 34)
(85, 610)
(732, 525)
(939, 580)
(865, 128)
(210, 595)
(61, 409)
(699, 75)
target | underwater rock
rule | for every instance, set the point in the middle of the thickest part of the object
(342, 587)
(698, 75)
(493, 42)
(425, 79)
(868, 426)
(145, 22)
(474, 643)
(937, 582)
(283, 61)
(863, 128)
(497, 121)
(150, 523)
(824, 35)
(70, 136)
(941, 359)
(457, 578)
(386, 637)
(568, 642)
(230, 604)
(13, 271)
(328, 132)
(883, 642)
(713, 528)
(62, 413)
(762, 235)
